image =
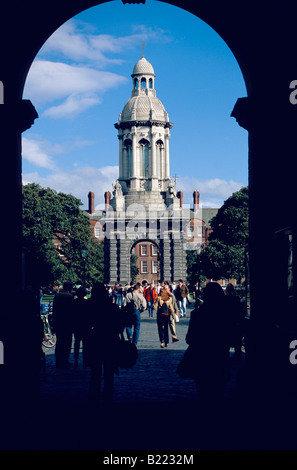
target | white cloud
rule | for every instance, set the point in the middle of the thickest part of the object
(213, 192)
(80, 85)
(48, 81)
(78, 181)
(33, 152)
(72, 106)
(77, 41)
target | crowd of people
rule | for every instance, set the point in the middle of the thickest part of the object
(97, 321)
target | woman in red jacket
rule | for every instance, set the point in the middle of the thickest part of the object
(150, 295)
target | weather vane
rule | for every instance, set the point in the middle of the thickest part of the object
(143, 45)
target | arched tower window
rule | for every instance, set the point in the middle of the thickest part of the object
(143, 82)
(128, 158)
(159, 157)
(136, 83)
(150, 83)
(144, 158)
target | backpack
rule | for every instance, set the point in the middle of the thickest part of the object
(127, 313)
(164, 309)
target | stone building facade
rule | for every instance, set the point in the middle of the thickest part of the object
(143, 214)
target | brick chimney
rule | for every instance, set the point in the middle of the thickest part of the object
(91, 197)
(196, 196)
(107, 197)
(180, 196)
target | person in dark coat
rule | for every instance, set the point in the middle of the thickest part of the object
(81, 325)
(63, 324)
(103, 341)
(208, 337)
(236, 313)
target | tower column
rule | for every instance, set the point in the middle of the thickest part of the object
(134, 170)
(154, 159)
(125, 162)
(121, 157)
(167, 170)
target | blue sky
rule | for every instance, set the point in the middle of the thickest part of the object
(81, 79)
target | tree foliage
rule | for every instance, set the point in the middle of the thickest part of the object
(224, 256)
(134, 270)
(49, 216)
(194, 268)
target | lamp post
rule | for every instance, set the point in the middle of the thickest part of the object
(84, 254)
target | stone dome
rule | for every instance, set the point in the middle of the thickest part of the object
(144, 108)
(143, 67)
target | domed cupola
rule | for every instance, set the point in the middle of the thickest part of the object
(143, 66)
(143, 105)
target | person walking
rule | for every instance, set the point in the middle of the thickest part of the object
(103, 341)
(236, 312)
(139, 302)
(164, 308)
(181, 293)
(207, 358)
(119, 292)
(81, 325)
(150, 295)
(172, 315)
(63, 324)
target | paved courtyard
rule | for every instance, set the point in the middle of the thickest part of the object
(152, 379)
(153, 407)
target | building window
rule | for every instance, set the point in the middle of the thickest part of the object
(150, 83)
(159, 157)
(143, 267)
(136, 84)
(143, 250)
(144, 158)
(154, 266)
(128, 158)
(154, 250)
(200, 230)
(190, 231)
(143, 82)
(97, 231)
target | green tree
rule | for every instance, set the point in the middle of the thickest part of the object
(194, 268)
(224, 256)
(134, 271)
(49, 216)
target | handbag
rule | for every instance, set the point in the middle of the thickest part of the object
(176, 318)
(186, 368)
(126, 354)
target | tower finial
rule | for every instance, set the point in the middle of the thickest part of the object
(143, 45)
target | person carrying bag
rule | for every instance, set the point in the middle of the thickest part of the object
(164, 308)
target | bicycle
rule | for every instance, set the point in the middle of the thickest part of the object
(49, 339)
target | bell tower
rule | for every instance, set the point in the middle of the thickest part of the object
(144, 216)
(144, 133)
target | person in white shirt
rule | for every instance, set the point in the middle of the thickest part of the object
(140, 305)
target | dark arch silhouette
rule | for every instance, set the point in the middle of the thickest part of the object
(262, 39)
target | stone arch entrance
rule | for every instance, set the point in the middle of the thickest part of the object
(265, 59)
(147, 254)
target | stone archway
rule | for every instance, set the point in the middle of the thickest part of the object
(262, 39)
(147, 254)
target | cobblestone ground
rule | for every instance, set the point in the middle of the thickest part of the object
(153, 408)
(152, 379)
